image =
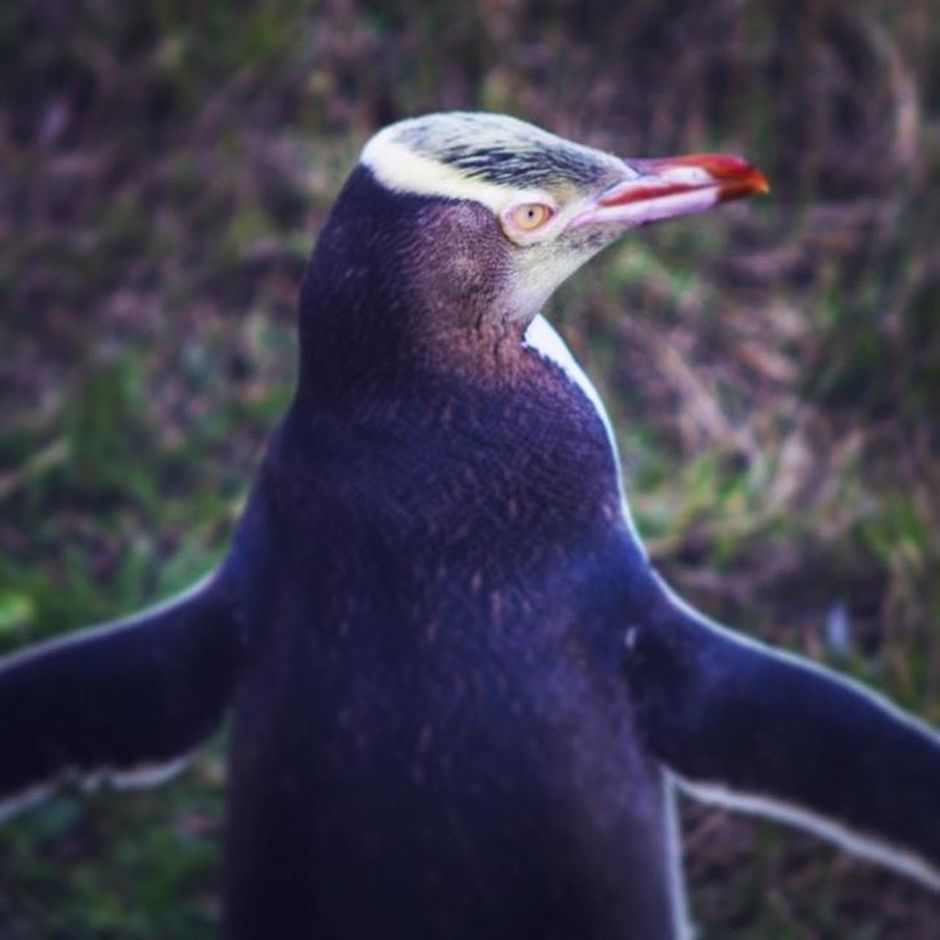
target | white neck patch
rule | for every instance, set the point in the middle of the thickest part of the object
(542, 337)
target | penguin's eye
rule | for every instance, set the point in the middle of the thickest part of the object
(526, 218)
(530, 216)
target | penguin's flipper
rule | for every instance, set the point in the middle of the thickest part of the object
(764, 731)
(126, 700)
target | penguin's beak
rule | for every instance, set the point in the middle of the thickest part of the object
(672, 186)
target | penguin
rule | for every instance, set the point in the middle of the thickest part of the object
(461, 698)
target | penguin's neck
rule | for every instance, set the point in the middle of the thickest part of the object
(403, 291)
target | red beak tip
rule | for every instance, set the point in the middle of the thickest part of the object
(748, 182)
(761, 183)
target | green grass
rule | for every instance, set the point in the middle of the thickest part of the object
(772, 369)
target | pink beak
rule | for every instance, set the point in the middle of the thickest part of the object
(667, 187)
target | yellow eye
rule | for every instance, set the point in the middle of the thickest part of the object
(530, 216)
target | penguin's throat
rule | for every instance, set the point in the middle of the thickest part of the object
(359, 332)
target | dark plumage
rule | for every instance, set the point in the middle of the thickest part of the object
(456, 682)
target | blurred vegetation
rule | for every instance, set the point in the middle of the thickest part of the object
(773, 368)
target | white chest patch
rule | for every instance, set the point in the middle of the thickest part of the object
(542, 337)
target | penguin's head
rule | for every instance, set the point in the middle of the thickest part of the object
(455, 228)
(535, 206)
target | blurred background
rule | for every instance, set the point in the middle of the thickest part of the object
(773, 368)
